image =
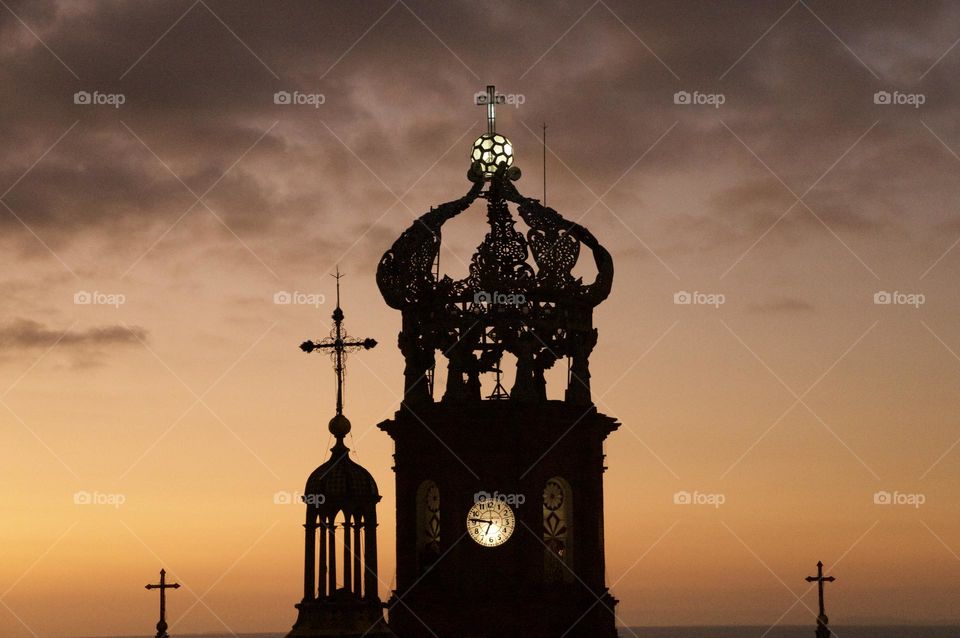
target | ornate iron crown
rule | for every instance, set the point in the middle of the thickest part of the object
(538, 312)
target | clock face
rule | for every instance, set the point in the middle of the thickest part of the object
(490, 522)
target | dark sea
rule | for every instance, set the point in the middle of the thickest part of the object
(788, 631)
(840, 631)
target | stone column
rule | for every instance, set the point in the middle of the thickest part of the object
(357, 568)
(322, 580)
(347, 580)
(332, 557)
(309, 559)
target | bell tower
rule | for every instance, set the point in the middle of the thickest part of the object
(499, 497)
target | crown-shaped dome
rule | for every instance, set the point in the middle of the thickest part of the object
(502, 261)
(520, 296)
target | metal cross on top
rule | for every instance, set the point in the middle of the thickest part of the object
(163, 586)
(820, 579)
(490, 101)
(338, 344)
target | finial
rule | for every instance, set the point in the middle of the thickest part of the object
(339, 426)
(338, 344)
(491, 149)
(337, 315)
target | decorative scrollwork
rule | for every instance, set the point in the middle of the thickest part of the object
(538, 312)
(500, 263)
(405, 274)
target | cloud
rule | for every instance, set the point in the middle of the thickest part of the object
(23, 334)
(396, 102)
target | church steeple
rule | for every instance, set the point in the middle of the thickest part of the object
(340, 494)
(464, 463)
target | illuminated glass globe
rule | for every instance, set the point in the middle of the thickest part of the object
(491, 149)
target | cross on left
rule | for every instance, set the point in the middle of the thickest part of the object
(163, 586)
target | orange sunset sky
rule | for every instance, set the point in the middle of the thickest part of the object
(811, 176)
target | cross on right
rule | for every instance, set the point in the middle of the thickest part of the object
(820, 579)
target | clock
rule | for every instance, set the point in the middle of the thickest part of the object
(490, 522)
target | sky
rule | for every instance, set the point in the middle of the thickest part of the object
(777, 184)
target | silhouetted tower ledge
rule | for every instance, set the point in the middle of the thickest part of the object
(341, 498)
(499, 499)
